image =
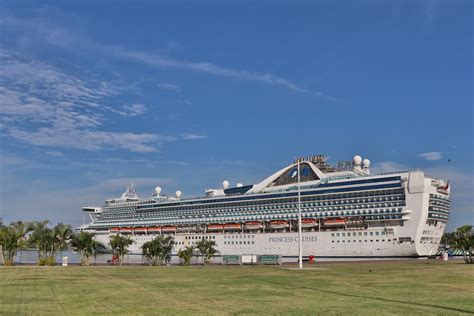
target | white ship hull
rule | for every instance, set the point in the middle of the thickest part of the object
(319, 244)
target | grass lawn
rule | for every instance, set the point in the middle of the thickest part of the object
(403, 287)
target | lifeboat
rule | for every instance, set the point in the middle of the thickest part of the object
(232, 226)
(278, 224)
(308, 222)
(154, 229)
(140, 229)
(114, 230)
(215, 227)
(168, 229)
(334, 222)
(253, 225)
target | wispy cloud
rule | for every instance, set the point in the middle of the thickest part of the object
(43, 106)
(431, 156)
(41, 30)
(216, 70)
(135, 109)
(429, 13)
(170, 87)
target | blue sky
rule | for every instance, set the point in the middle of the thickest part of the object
(93, 97)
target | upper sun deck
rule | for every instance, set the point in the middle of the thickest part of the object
(314, 172)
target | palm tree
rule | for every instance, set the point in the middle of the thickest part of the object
(167, 244)
(119, 245)
(186, 255)
(85, 244)
(12, 238)
(150, 251)
(207, 248)
(62, 233)
(42, 239)
(49, 241)
(158, 250)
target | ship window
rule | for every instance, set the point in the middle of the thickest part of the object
(332, 234)
(343, 234)
(371, 233)
(338, 234)
(253, 242)
(348, 234)
(365, 233)
(377, 233)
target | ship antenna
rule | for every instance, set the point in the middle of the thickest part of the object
(300, 259)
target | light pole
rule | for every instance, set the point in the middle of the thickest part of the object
(300, 259)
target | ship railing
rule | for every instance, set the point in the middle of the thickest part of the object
(395, 172)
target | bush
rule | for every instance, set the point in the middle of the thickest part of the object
(47, 261)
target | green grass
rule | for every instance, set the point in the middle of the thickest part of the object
(403, 287)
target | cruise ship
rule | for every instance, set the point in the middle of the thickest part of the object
(346, 211)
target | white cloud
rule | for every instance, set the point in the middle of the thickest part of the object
(387, 166)
(55, 154)
(429, 13)
(170, 87)
(40, 31)
(43, 106)
(88, 139)
(216, 70)
(135, 109)
(431, 156)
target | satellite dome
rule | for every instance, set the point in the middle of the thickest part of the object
(357, 159)
(157, 190)
(366, 163)
(225, 184)
(239, 185)
(178, 194)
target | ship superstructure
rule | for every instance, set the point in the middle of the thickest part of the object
(346, 212)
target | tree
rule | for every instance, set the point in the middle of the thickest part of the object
(158, 250)
(462, 239)
(85, 245)
(12, 238)
(62, 234)
(207, 248)
(48, 241)
(119, 245)
(186, 255)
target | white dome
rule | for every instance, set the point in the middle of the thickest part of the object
(366, 163)
(239, 185)
(357, 159)
(225, 184)
(157, 190)
(178, 194)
